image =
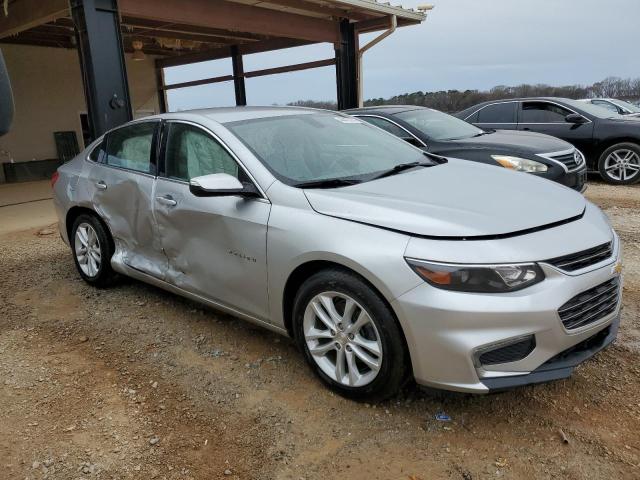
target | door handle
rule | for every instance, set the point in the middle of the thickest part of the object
(167, 200)
(101, 185)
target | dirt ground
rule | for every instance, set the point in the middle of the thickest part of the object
(132, 382)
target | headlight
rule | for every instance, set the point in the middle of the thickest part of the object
(578, 157)
(520, 164)
(478, 278)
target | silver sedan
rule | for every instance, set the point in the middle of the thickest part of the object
(383, 262)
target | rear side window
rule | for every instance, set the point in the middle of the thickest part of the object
(131, 147)
(96, 153)
(498, 113)
(543, 112)
(386, 125)
(191, 152)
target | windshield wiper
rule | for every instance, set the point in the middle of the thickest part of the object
(328, 183)
(401, 168)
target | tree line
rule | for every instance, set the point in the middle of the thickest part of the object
(456, 100)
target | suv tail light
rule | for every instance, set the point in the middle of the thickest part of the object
(54, 178)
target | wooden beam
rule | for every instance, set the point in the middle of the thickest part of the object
(36, 42)
(291, 68)
(225, 52)
(161, 92)
(197, 83)
(173, 27)
(152, 34)
(381, 23)
(256, 73)
(26, 14)
(238, 77)
(329, 11)
(230, 16)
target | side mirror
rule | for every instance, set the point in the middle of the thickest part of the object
(575, 118)
(6, 99)
(221, 185)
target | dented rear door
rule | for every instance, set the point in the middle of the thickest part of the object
(121, 188)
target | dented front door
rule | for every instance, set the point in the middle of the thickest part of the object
(215, 246)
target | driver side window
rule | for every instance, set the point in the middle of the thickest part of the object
(543, 112)
(191, 152)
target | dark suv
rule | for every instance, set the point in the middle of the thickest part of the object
(610, 142)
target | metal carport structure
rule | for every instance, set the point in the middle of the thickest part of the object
(179, 32)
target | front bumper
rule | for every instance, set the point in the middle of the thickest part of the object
(576, 180)
(562, 365)
(446, 330)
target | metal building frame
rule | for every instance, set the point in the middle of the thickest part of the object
(103, 30)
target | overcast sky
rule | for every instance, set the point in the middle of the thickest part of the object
(464, 44)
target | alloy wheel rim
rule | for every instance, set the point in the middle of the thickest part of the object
(343, 339)
(622, 164)
(88, 251)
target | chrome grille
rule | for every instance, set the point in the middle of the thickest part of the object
(568, 160)
(591, 305)
(583, 259)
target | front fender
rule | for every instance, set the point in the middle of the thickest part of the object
(296, 237)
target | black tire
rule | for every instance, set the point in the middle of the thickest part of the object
(105, 276)
(393, 370)
(620, 147)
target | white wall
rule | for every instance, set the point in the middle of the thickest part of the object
(49, 97)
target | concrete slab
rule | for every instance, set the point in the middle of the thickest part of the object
(24, 216)
(17, 193)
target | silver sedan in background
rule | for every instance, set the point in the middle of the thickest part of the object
(383, 262)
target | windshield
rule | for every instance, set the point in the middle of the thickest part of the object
(321, 146)
(629, 106)
(439, 126)
(591, 109)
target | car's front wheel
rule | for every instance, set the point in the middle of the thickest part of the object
(620, 164)
(92, 250)
(349, 336)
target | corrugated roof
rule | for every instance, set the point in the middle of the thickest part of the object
(383, 7)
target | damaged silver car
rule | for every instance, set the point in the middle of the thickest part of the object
(383, 262)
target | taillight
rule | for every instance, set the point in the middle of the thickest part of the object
(54, 178)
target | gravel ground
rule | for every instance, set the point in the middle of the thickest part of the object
(132, 382)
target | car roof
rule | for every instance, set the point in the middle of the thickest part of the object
(529, 99)
(472, 109)
(388, 109)
(234, 114)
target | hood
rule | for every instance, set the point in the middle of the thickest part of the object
(515, 141)
(458, 199)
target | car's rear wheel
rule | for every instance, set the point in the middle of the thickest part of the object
(349, 336)
(92, 249)
(620, 164)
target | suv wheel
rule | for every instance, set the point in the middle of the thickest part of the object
(620, 164)
(349, 336)
(92, 251)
